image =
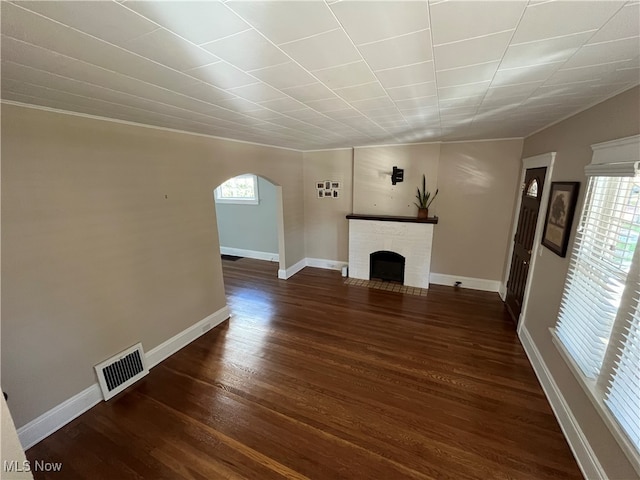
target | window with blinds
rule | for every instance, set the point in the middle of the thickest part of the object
(599, 319)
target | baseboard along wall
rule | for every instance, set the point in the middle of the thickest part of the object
(56, 418)
(241, 252)
(577, 440)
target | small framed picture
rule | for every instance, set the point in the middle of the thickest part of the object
(327, 184)
(557, 224)
(320, 185)
(336, 193)
(327, 194)
(320, 193)
(335, 185)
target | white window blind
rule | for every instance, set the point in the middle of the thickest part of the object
(599, 319)
(622, 395)
(601, 259)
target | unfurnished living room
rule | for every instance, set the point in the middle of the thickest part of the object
(320, 239)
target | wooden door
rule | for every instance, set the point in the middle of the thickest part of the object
(523, 240)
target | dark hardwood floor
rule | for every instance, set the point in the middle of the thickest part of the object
(312, 378)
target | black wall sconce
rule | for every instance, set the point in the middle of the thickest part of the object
(397, 175)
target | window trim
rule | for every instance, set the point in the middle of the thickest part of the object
(596, 394)
(605, 157)
(255, 200)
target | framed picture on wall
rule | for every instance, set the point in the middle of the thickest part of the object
(320, 185)
(320, 193)
(557, 223)
(327, 194)
(336, 193)
(327, 184)
(335, 185)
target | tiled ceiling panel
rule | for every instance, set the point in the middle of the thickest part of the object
(315, 74)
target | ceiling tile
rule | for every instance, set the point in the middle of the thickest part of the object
(285, 104)
(463, 75)
(624, 24)
(326, 50)
(205, 92)
(555, 19)
(583, 73)
(247, 50)
(462, 91)
(239, 105)
(308, 93)
(257, 92)
(31, 28)
(509, 76)
(411, 91)
(345, 75)
(284, 21)
(455, 21)
(398, 51)
(543, 52)
(198, 22)
(420, 102)
(284, 75)
(32, 55)
(329, 105)
(471, 52)
(371, 21)
(406, 75)
(222, 75)
(598, 53)
(109, 21)
(168, 49)
(373, 103)
(512, 91)
(361, 92)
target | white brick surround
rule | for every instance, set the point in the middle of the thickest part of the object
(411, 240)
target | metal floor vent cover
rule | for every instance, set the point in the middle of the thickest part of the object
(121, 370)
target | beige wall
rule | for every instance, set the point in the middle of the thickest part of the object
(95, 258)
(477, 181)
(326, 226)
(571, 139)
(373, 192)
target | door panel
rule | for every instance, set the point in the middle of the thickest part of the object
(523, 240)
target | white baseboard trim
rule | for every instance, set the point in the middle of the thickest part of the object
(292, 270)
(467, 282)
(502, 291)
(185, 337)
(56, 418)
(324, 263)
(310, 262)
(241, 252)
(578, 442)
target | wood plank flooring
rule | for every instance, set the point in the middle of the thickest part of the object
(312, 378)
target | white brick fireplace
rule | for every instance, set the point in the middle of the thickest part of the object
(408, 237)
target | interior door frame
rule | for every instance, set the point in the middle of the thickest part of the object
(543, 160)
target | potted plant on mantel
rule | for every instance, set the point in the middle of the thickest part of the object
(424, 199)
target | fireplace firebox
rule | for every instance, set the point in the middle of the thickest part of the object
(387, 266)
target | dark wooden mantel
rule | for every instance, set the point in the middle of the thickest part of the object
(392, 218)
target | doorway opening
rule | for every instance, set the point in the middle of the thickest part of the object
(249, 218)
(526, 234)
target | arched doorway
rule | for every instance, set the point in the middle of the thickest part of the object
(249, 216)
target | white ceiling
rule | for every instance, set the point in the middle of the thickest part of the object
(315, 74)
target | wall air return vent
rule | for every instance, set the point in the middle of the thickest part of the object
(121, 370)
